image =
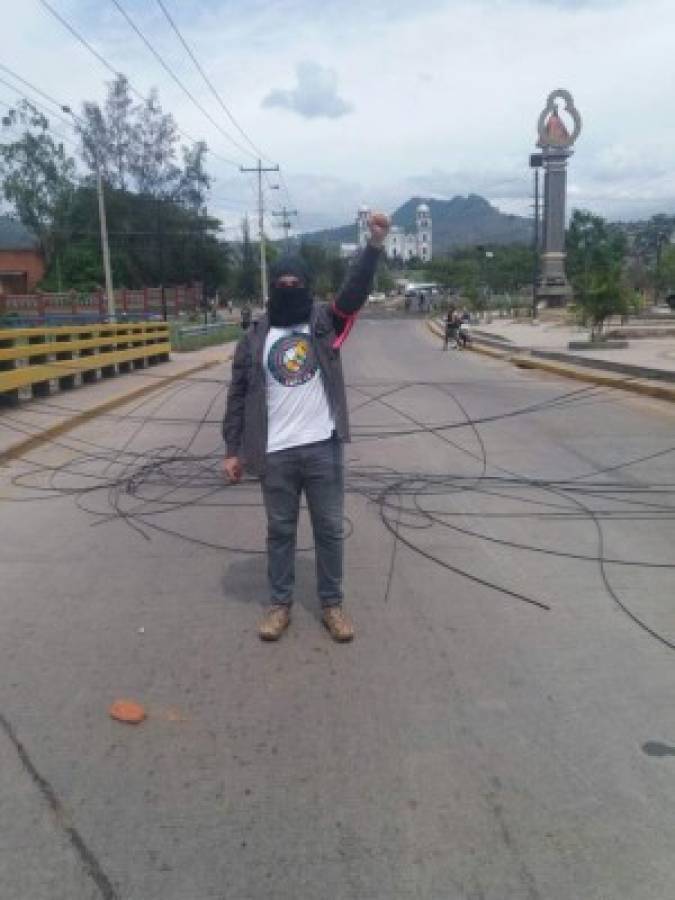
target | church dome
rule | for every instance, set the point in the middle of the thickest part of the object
(364, 209)
(423, 208)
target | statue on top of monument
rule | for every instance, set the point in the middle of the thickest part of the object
(557, 134)
(552, 130)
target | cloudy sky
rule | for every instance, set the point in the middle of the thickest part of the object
(378, 100)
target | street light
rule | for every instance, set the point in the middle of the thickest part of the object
(105, 247)
(536, 162)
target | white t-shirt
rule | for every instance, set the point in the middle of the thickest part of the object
(297, 407)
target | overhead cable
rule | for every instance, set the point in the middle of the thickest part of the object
(134, 90)
(208, 81)
(167, 68)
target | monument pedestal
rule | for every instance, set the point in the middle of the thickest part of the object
(554, 296)
(553, 287)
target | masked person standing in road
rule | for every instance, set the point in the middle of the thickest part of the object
(286, 421)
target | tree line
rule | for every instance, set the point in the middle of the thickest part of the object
(156, 192)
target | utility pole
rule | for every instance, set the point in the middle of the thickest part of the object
(160, 249)
(536, 162)
(286, 223)
(202, 246)
(110, 295)
(261, 225)
(106, 249)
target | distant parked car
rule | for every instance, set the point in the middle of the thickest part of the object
(376, 298)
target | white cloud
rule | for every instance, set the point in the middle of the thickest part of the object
(315, 95)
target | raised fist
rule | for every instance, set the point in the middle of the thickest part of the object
(378, 224)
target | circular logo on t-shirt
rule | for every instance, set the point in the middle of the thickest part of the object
(292, 360)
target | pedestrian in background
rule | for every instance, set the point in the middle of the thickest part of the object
(451, 327)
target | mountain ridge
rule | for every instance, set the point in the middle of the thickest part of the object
(459, 222)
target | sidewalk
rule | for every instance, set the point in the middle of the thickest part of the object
(33, 422)
(655, 356)
(646, 366)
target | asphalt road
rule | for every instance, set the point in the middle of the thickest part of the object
(503, 726)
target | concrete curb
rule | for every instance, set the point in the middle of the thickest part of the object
(25, 445)
(615, 368)
(635, 385)
(596, 376)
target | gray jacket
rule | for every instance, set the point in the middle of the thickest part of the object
(245, 421)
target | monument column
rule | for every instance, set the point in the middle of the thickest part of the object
(555, 198)
(555, 141)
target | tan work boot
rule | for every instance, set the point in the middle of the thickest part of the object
(274, 623)
(338, 623)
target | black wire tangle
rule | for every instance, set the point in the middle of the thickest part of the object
(145, 489)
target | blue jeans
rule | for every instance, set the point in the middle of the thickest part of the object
(318, 469)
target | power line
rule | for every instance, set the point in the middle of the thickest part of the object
(228, 200)
(114, 71)
(47, 111)
(134, 90)
(89, 47)
(209, 83)
(286, 222)
(33, 88)
(285, 187)
(16, 127)
(167, 68)
(218, 97)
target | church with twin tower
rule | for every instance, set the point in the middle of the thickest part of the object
(399, 243)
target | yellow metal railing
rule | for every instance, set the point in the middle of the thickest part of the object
(35, 357)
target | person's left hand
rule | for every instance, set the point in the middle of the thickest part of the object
(378, 224)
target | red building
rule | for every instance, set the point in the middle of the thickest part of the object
(21, 261)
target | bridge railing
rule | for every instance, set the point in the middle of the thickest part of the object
(72, 307)
(33, 361)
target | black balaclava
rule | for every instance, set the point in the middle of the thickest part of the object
(289, 305)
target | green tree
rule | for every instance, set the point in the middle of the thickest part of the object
(107, 134)
(38, 178)
(78, 267)
(667, 273)
(651, 236)
(160, 233)
(327, 270)
(595, 266)
(194, 182)
(153, 156)
(248, 277)
(475, 274)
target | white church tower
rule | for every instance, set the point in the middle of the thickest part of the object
(424, 242)
(399, 244)
(362, 226)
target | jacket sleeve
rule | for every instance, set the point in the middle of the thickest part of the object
(233, 421)
(354, 292)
